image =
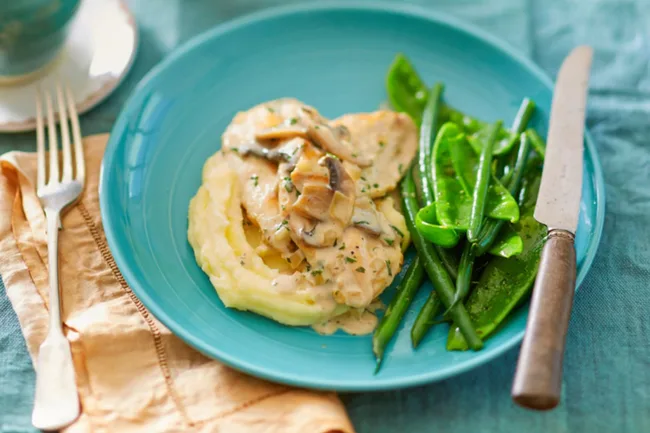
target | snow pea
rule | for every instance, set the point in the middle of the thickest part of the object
(506, 140)
(453, 186)
(500, 203)
(453, 203)
(507, 244)
(506, 282)
(406, 90)
(468, 124)
(427, 224)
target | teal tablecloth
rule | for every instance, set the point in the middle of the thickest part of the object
(607, 367)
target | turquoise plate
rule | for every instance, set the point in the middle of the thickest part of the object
(334, 56)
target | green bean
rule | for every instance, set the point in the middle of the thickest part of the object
(427, 136)
(425, 319)
(481, 186)
(492, 227)
(519, 124)
(395, 311)
(537, 142)
(428, 132)
(525, 112)
(464, 279)
(434, 267)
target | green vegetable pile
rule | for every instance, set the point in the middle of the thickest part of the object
(468, 202)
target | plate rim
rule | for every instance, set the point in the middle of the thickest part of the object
(410, 10)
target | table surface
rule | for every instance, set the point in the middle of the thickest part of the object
(607, 362)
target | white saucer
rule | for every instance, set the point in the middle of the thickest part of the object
(98, 54)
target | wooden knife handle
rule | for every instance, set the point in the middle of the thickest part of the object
(538, 379)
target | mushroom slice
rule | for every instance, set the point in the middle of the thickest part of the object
(288, 152)
(282, 132)
(341, 208)
(306, 231)
(256, 149)
(331, 140)
(339, 179)
(315, 200)
(366, 219)
(341, 183)
(274, 117)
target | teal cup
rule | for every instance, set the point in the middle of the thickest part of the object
(32, 34)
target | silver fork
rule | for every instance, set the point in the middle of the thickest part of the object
(56, 403)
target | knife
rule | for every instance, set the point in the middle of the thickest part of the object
(538, 378)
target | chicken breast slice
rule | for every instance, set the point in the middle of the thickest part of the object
(387, 138)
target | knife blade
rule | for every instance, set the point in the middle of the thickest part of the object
(538, 378)
(558, 200)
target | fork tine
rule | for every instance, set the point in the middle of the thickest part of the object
(40, 142)
(53, 144)
(65, 135)
(80, 163)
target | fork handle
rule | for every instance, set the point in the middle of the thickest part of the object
(53, 226)
(56, 402)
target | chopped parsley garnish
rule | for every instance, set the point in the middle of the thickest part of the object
(390, 272)
(360, 269)
(354, 155)
(375, 185)
(400, 168)
(399, 232)
(381, 143)
(389, 242)
(255, 179)
(350, 260)
(285, 222)
(234, 149)
(316, 272)
(342, 247)
(293, 121)
(361, 222)
(336, 241)
(288, 185)
(363, 178)
(271, 110)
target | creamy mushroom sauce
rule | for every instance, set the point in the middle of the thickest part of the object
(313, 196)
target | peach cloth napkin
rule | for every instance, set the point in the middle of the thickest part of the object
(133, 375)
